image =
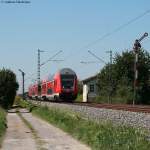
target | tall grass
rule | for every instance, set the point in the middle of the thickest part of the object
(102, 136)
(79, 98)
(2, 124)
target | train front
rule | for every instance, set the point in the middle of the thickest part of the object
(68, 80)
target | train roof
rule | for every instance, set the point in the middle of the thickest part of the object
(66, 71)
(62, 71)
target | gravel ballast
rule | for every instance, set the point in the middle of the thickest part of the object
(118, 117)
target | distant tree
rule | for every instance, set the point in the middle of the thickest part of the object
(8, 87)
(80, 87)
(122, 77)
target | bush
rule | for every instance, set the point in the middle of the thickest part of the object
(79, 98)
(125, 93)
(101, 99)
(8, 88)
(17, 100)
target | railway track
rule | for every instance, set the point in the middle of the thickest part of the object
(130, 115)
(124, 107)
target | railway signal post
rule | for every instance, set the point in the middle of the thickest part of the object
(136, 49)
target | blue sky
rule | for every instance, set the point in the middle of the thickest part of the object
(68, 25)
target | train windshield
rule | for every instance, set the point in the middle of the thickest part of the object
(67, 81)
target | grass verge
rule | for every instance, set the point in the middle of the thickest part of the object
(102, 136)
(2, 124)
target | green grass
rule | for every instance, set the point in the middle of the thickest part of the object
(79, 98)
(102, 136)
(2, 124)
(114, 100)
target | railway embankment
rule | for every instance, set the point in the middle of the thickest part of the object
(117, 117)
(98, 134)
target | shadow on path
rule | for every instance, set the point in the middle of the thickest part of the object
(17, 109)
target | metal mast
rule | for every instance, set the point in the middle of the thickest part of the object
(38, 71)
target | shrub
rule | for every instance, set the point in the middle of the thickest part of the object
(8, 87)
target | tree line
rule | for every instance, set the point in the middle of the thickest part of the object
(116, 79)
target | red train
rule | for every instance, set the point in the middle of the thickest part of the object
(62, 86)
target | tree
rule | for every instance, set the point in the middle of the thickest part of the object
(80, 87)
(8, 87)
(122, 77)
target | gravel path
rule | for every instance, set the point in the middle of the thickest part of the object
(36, 134)
(18, 136)
(52, 138)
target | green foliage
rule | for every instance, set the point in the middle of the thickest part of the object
(79, 98)
(102, 136)
(80, 87)
(8, 87)
(120, 83)
(17, 100)
(26, 104)
(2, 124)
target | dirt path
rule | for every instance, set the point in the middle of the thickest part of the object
(36, 134)
(18, 136)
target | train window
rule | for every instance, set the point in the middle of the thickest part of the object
(67, 84)
(67, 77)
(67, 81)
(49, 91)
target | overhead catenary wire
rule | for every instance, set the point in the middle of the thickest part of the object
(89, 62)
(112, 32)
(97, 57)
(50, 59)
(30, 76)
(118, 28)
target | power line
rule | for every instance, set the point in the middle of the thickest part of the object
(112, 32)
(89, 62)
(118, 29)
(30, 76)
(41, 64)
(109, 70)
(50, 59)
(101, 60)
